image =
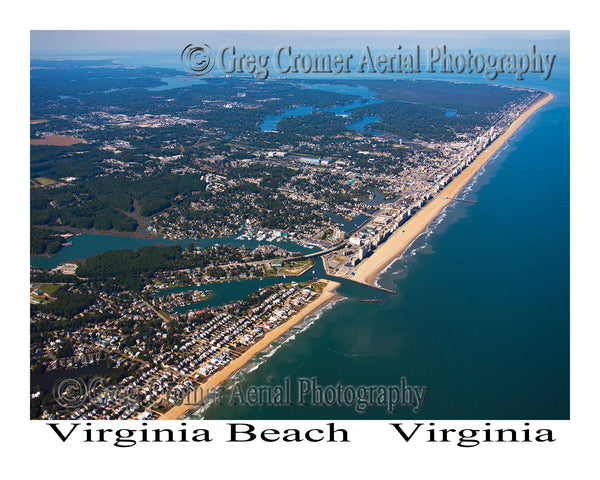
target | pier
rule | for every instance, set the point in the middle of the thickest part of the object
(393, 292)
(383, 289)
(459, 199)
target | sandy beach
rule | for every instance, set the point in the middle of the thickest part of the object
(327, 295)
(395, 246)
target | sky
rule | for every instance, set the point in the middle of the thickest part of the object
(149, 40)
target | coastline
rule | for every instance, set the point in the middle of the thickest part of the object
(327, 295)
(370, 268)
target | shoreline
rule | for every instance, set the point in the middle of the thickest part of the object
(369, 269)
(326, 296)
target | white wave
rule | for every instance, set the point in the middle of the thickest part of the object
(262, 357)
(408, 252)
(311, 319)
(386, 269)
(271, 352)
(253, 364)
(473, 182)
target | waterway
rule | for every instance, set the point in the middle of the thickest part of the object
(177, 82)
(365, 97)
(87, 244)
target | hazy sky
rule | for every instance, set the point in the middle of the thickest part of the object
(111, 40)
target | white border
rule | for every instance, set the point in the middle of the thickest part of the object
(375, 449)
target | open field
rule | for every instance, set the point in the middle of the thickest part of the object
(55, 140)
(295, 267)
(42, 181)
(49, 288)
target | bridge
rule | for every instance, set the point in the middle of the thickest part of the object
(323, 252)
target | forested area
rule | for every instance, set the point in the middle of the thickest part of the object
(43, 241)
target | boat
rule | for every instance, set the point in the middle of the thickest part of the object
(368, 300)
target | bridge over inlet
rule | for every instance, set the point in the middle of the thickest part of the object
(323, 252)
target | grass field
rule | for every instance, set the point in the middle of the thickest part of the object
(43, 181)
(270, 272)
(49, 288)
(318, 286)
(295, 267)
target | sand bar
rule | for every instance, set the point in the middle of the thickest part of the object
(368, 270)
(327, 295)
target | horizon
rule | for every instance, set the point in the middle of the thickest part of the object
(171, 40)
